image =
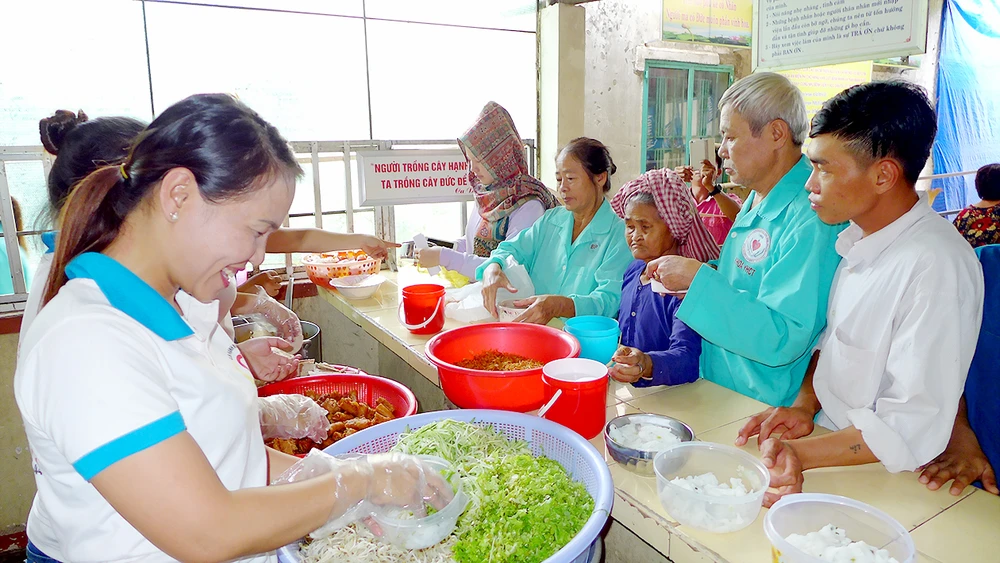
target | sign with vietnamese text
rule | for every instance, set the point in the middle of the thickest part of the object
(790, 34)
(396, 177)
(722, 22)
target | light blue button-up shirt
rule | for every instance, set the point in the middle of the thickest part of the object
(762, 311)
(589, 271)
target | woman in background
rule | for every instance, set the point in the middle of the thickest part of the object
(575, 254)
(979, 223)
(508, 199)
(660, 220)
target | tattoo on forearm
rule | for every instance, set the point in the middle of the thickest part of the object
(856, 448)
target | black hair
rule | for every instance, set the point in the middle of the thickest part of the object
(83, 146)
(988, 182)
(227, 146)
(595, 157)
(892, 119)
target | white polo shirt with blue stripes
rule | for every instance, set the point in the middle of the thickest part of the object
(108, 369)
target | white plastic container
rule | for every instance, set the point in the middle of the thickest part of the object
(519, 278)
(718, 514)
(358, 287)
(508, 312)
(410, 533)
(808, 512)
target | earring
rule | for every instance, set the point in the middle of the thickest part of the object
(173, 217)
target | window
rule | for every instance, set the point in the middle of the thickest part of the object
(681, 103)
(324, 72)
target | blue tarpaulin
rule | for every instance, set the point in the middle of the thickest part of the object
(968, 97)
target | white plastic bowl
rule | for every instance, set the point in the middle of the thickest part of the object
(808, 512)
(717, 514)
(419, 533)
(357, 287)
(508, 312)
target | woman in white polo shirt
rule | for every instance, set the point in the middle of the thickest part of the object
(139, 410)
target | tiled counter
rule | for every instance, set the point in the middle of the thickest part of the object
(946, 529)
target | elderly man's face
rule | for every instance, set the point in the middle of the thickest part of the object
(744, 157)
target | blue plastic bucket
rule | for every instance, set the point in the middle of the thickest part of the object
(598, 336)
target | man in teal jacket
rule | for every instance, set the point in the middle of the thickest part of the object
(762, 307)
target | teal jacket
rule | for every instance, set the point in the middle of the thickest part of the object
(588, 271)
(762, 311)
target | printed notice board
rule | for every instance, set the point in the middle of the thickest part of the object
(396, 177)
(789, 34)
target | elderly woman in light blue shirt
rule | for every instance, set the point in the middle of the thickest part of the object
(575, 254)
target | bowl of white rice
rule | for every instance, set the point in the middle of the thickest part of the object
(633, 440)
(709, 486)
(818, 528)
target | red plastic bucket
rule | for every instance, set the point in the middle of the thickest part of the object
(422, 308)
(582, 403)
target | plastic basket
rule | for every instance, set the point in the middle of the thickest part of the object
(580, 459)
(321, 267)
(369, 389)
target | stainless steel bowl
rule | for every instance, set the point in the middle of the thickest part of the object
(641, 461)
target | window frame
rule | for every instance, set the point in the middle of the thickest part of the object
(306, 152)
(690, 68)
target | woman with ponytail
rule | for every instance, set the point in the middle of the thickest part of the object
(575, 254)
(82, 145)
(139, 412)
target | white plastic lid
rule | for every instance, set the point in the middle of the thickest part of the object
(575, 370)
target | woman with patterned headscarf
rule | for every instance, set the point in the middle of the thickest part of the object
(661, 218)
(508, 199)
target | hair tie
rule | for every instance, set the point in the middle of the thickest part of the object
(121, 169)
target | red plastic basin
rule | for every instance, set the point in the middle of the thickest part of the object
(369, 389)
(521, 390)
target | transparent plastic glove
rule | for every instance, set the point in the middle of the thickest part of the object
(387, 483)
(284, 320)
(292, 416)
(269, 359)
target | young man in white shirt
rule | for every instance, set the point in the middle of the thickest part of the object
(905, 307)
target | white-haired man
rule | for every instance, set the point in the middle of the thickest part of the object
(762, 307)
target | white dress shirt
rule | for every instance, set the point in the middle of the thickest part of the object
(902, 326)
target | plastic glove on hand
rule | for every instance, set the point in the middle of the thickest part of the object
(372, 485)
(292, 416)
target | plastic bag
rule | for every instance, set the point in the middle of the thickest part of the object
(378, 484)
(519, 278)
(466, 304)
(292, 416)
(285, 322)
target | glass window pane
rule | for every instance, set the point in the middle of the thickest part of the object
(305, 74)
(708, 88)
(335, 7)
(495, 14)
(27, 185)
(70, 55)
(436, 220)
(425, 85)
(667, 118)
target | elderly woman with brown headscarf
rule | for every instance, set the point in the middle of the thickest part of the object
(508, 199)
(661, 218)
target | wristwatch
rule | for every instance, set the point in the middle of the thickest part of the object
(716, 191)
